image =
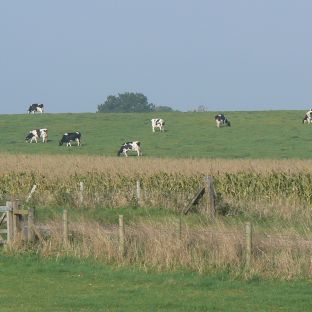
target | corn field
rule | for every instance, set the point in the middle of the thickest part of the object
(278, 193)
(172, 190)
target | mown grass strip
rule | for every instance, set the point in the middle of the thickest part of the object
(31, 284)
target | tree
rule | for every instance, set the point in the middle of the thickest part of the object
(163, 108)
(127, 102)
(202, 109)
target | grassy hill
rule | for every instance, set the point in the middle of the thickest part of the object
(268, 134)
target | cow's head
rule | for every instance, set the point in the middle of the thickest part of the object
(29, 136)
(62, 140)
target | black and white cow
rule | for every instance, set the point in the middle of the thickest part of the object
(307, 117)
(35, 108)
(34, 135)
(158, 123)
(71, 136)
(221, 120)
(130, 146)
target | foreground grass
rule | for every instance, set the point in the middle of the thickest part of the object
(31, 284)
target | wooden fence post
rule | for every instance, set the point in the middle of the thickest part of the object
(248, 232)
(81, 188)
(65, 227)
(211, 202)
(9, 218)
(121, 236)
(17, 222)
(138, 192)
(30, 224)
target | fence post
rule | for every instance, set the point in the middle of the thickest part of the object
(121, 236)
(211, 203)
(16, 219)
(138, 192)
(248, 232)
(65, 227)
(31, 224)
(81, 187)
(9, 218)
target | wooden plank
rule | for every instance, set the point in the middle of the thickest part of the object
(2, 218)
(195, 200)
(21, 212)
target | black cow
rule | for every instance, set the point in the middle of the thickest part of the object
(71, 136)
(130, 146)
(221, 120)
(35, 108)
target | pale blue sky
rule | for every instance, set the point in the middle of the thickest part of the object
(224, 54)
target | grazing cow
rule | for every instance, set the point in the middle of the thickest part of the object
(221, 120)
(72, 136)
(130, 146)
(307, 117)
(35, 108)
(34, 135)
(158, 123)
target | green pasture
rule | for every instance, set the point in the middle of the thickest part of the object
(28, 283)
(266, 134)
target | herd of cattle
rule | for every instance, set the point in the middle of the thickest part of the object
(67, 138)
(157, 123)
(135, 146)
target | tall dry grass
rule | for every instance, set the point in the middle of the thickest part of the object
(163, 246)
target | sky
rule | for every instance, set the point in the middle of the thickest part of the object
(224, 55)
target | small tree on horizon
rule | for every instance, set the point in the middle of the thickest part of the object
(127, 102)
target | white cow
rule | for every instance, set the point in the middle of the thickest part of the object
(158, 123)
